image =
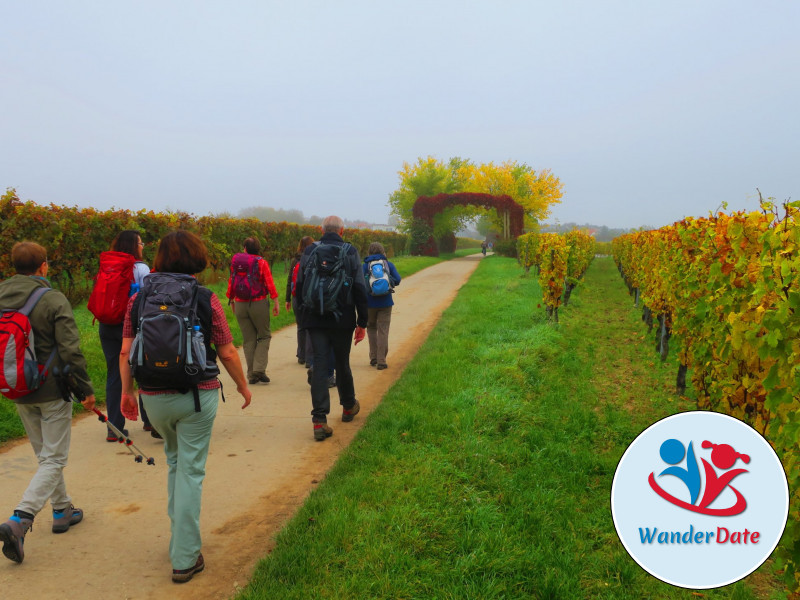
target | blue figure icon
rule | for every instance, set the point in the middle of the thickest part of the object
(672, 452)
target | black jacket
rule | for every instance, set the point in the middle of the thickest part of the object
(354, 313)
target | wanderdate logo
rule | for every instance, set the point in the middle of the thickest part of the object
(699, 500)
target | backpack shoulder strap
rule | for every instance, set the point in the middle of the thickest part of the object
(33, 299)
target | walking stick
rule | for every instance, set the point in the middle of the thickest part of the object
(71, 392)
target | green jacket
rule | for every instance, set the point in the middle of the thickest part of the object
(53, 324)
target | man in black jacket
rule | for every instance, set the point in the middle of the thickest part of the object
(334, 330)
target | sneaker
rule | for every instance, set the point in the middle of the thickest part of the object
(332, 381)
(12, 533)
(322, 431)
(184, 575)
(64, 519)
(349, 413)
(373, 362)
(263, 378)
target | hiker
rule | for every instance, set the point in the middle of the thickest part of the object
(484, 245)
(248, 286)
(122, 262)
(332, 320)
(47, 418)
(184, 418)
(304, 351)
(381, 278)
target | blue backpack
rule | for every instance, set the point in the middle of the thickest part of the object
(378, 281)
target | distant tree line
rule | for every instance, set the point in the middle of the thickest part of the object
(602, 233)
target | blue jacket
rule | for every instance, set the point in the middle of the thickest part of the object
(394, 277)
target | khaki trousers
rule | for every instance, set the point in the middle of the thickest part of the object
(253, 319)
(48, 425)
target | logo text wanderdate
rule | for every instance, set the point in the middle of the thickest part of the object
(721, 536)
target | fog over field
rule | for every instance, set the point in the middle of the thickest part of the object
(646, 111)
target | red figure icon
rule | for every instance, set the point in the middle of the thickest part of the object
(724, 457)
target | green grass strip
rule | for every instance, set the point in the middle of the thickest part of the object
(486, 470)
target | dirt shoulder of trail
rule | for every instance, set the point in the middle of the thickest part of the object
(262, 464)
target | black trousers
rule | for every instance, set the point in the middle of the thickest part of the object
(323, 341)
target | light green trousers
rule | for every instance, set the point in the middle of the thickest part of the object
(187, 435)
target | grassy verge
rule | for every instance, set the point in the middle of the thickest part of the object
(486, 470)
(11, 426)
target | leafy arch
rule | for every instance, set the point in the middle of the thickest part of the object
(427, 207)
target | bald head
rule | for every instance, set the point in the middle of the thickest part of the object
(332, 224)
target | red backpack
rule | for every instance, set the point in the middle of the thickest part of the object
(246, 276)
(21, 373)
(295, 271)
(112, 286)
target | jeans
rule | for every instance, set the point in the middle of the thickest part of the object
(111, 341)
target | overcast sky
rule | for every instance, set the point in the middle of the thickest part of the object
(648, 111)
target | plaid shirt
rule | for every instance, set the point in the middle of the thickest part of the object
(220, 335)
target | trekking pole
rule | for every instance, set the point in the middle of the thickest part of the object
(72, 393)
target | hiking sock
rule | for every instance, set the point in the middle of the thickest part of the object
(21, 514)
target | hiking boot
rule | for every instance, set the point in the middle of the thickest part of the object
(301, 361)
(252, 380)
(155, 434)
(373, 362)
(382, 367)
(349, 413)
(184, 575)
(322, 431)
(12, 533)
(64, 519)
(113, 437)
(263, 378)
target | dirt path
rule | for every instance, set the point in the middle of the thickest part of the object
(263, 462)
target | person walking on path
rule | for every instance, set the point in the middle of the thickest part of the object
(334, 330)
(304, 351)
(381, 277)
(184, 418)
(47, 418)
(248, 287)
(128, 243)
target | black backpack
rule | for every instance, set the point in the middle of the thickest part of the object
(171, 317)
(327, 285)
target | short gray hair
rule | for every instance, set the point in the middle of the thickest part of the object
(332, 224)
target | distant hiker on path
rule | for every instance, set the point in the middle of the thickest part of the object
(334, 306)
(120, 276)
(248, 287)
(304, 351)
(182, 408)
(47, 418)
(381, 278)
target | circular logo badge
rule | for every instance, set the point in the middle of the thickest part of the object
(699, 500)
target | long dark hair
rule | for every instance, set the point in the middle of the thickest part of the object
(128, 242)
(305, 242)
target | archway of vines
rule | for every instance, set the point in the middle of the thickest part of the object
(427, 207)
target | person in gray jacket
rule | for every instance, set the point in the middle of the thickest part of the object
(47, 418)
